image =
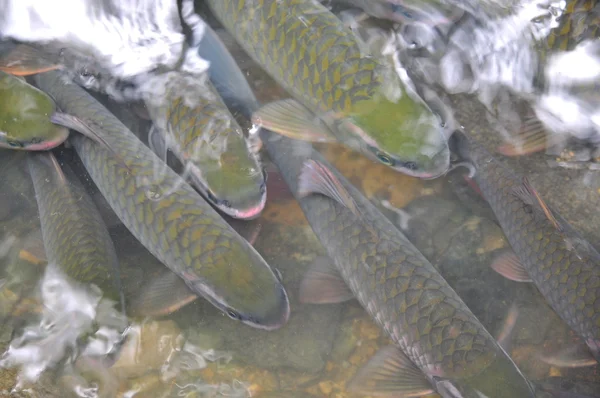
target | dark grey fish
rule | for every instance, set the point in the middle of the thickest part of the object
(546, 249)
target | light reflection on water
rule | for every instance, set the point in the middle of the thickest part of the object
(198, 352)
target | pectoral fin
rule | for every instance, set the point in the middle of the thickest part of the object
(323, 284)
(509, 266)
(24, 60)
(84, 128)
(573, 356)
(290, 118)
(531, 197)
(505, 334)
(390, 373)
(164, 294)
(532, 137)
(316, 178)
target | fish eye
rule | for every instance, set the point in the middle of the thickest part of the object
(233, 315)
(385, 159)
(15, 144)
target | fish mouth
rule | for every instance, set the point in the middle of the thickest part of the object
(249, 213)
(281, 320)
(440, 166)
(43, 146)
(39, 146)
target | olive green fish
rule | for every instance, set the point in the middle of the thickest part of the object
(211, 145)
(340, 93)
(74, 235)
(169, 218)
(547, 250)
(25, 117)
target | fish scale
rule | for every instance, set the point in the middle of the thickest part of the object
(306, 71)
(75, 237)
(169, 218)
(579, 21)
(563, 266)
(399, 288)
(360, 98)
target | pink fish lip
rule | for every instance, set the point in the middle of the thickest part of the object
(250, 213)
(44, 146)
(39, 146)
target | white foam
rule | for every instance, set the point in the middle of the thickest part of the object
(68, 312)
(126, 37)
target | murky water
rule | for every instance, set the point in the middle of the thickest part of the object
(485, 67)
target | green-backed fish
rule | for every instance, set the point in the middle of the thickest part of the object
(25, 115)
(171, 219)
(438, 343)
(198, 128)
(74, 235)
(546, 249)
(340, 93)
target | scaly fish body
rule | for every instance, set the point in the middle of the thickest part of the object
(579, 21)
(170, 219)
(403, 292)
(25, 117)
(563, 266)
(208, 141)
(75, 237)
(362, 101)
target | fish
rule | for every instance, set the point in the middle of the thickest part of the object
(23, 60)
(24, 117)
(432, 13)
(170, 218)
(339, 94)
(439, 345)
(75, 237)
(546, 250)
(211, 145)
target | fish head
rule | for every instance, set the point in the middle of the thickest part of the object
(500, 379)
(245, 288)
(404, 135)
(25, 117)
(237, 186)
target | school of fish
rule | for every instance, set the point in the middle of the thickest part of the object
(189, 189)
